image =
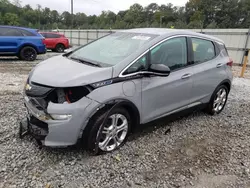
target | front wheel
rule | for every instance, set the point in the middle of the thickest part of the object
(109, 131)
(218, 100)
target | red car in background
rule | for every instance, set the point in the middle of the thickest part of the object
(55, 41)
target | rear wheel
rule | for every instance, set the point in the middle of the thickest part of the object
(28, 53)
(109, 134)
(60, 48)
(218, 100)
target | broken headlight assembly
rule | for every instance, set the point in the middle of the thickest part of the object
(39, 96)
(69, 95)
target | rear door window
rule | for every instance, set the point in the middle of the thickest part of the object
(204, 50)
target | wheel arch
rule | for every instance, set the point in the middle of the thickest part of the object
(227, 83)
(59, 43)
(27, 45)
(123, 103)
(103, 108)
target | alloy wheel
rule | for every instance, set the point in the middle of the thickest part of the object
(29, 54)
(220, 100)
(114, 132)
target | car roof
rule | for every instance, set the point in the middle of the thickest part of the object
(170, 32)
(52, 33)
(16, 27)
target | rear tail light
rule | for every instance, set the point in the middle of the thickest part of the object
(43, 40)
(230, 63)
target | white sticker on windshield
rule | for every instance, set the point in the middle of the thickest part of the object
(141, 37)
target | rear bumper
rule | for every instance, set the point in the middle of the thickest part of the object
(41, 49)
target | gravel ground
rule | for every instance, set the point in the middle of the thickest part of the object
(192, 151)
(13, 64)
(237, 72)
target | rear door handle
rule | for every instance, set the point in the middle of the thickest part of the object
(186, 76)
(219, 65)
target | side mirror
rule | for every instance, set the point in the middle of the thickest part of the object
(159, 69)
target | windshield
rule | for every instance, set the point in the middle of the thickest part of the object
(112, 49)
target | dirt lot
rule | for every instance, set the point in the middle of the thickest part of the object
(196, 150)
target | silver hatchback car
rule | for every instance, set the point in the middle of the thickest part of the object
(99, 92)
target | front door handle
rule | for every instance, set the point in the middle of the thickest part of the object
(186, 76)
(219, 65)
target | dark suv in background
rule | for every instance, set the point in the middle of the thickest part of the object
(55, 41)
(25, 43)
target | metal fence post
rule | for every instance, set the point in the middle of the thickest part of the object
(87, 36)
(71, 37)
(245, 48)
(79, 38)
(97, 34)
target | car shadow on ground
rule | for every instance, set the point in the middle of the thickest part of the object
(165, 122)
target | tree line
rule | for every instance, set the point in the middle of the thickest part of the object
(195, 14)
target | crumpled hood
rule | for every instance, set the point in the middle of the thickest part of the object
(60, 71)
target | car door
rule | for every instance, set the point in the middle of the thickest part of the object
(163, 95)
(208, 70)
(48, 40)
(10, 40)
(52, 40)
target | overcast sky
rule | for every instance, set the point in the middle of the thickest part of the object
(90, 7)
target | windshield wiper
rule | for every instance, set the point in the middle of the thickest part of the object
(85, 62)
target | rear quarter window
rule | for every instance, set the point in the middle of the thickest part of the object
(26, 33)
(223, 49)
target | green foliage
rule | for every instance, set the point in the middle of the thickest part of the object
(195, 14)
(10, 19)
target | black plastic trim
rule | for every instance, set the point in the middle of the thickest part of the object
(190, 51)
(226, 81)
(124, 102)
(114, 81)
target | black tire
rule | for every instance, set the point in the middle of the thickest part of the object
(60, 48)
(28, 53)
(94, 133)
(210, 107)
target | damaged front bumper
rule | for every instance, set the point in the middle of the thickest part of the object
(34, 127)
(61, 132)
